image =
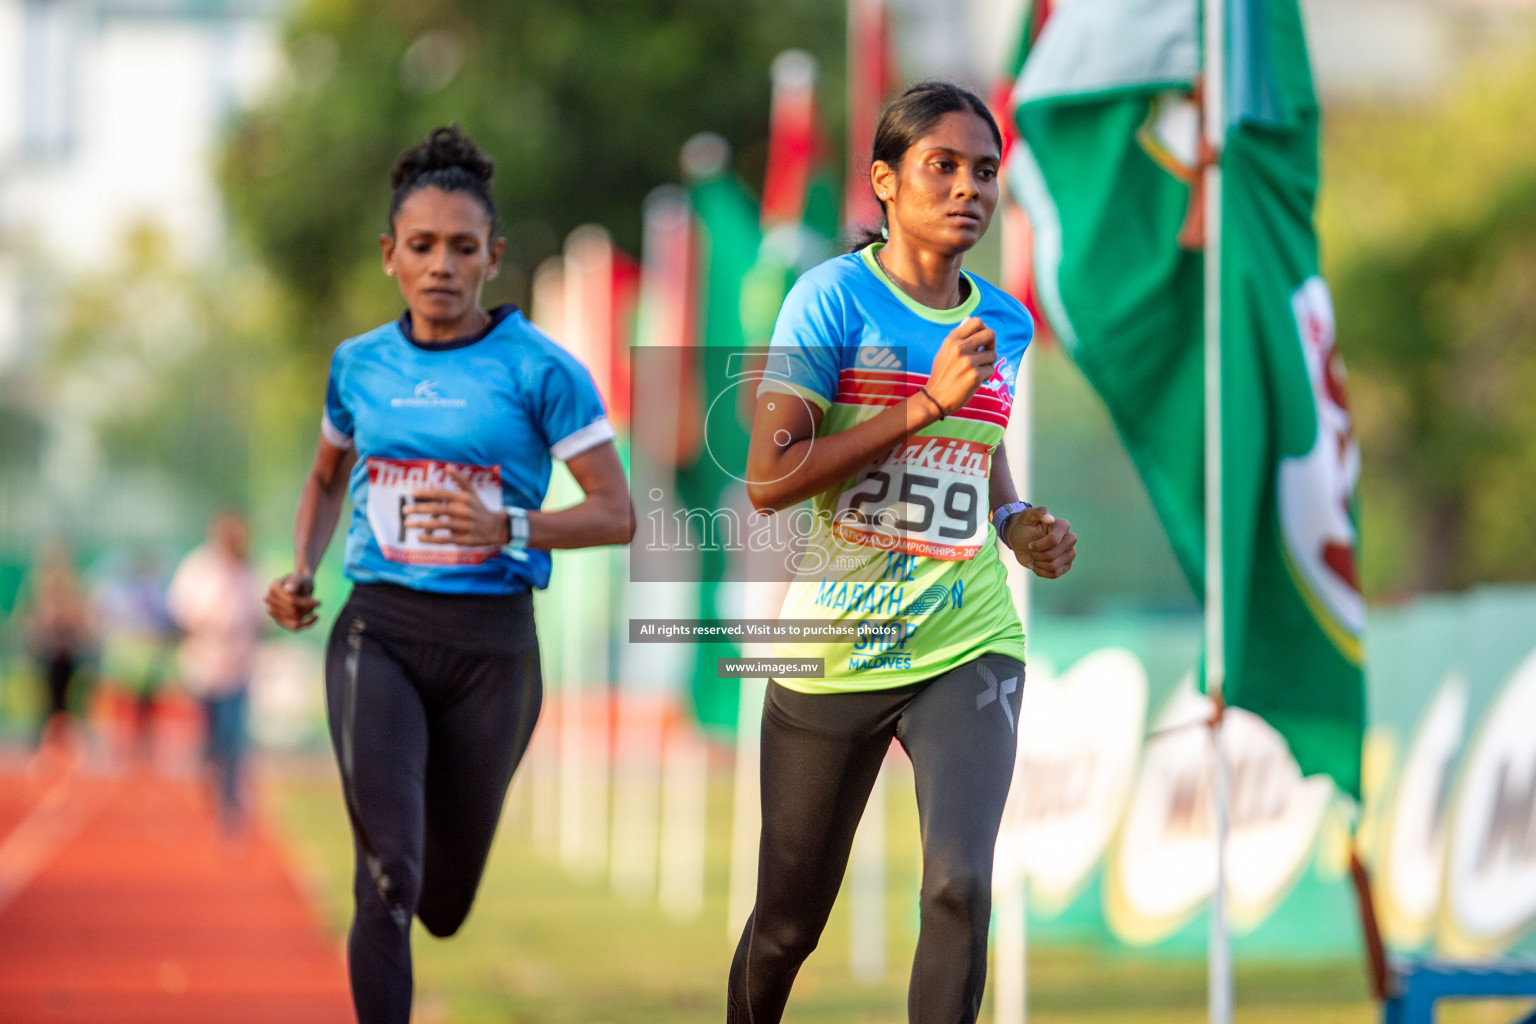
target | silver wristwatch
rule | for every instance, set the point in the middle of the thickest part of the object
(517, 531)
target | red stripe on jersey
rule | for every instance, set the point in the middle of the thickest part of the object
(884, 388)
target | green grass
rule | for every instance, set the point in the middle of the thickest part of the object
(542, 948)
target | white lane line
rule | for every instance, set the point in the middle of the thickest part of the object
(42, 833)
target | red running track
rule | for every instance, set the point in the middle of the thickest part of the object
(120, 903)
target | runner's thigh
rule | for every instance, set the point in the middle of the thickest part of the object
(961, 733)
(477, 740)
(379, 730)
(820, 755)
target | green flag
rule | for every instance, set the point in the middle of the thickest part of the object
(1107, 171)
(728, 243)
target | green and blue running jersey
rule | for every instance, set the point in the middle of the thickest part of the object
(908, 536)
(497, 407)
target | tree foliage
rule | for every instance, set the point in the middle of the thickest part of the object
(1430, 217)
(583, 104)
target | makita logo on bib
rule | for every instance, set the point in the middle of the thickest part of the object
(416, 473)
(967, 458)
(426, 395)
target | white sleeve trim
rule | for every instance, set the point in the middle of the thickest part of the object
(333, 437)
(770, 386)
(588, 437)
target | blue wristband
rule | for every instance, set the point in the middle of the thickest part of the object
(1002, 512)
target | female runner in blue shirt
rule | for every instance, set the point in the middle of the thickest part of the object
(442, 425)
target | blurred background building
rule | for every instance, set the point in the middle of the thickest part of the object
(111, 119)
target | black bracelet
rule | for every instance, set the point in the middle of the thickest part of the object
(935, 401)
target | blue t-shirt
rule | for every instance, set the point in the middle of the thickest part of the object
(846, 323)
(496, 407)
(908, 535)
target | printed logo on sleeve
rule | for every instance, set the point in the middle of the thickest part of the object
(392, 484)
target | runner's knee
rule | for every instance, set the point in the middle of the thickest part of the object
(392, 881)
(957, 889)
(784, 938)
(441, 916)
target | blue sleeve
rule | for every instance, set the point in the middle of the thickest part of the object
(1013, 340)
(805, 354)
(570, 410)
(336, 422)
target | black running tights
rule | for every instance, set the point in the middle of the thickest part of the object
(820, 756)
(432, 700)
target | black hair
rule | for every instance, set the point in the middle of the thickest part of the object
(904, 122)
(447, 159)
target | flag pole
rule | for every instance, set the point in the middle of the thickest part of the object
(1011, 997)
(1213, 120)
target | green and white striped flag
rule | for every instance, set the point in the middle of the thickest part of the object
(1107, 170)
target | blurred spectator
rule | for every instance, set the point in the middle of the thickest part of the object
(137, 635)
(214, 599)
(59, 629)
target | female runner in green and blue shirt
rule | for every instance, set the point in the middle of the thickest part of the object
(889, 416)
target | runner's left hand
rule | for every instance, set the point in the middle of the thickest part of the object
(447, 516)
(1042, 543)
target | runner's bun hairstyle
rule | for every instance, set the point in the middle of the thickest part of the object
(447, 159)
(904, 122)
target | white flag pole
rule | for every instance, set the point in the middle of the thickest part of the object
(1011, 996)
(746, 810)
(866, 883)
(584, 714)
(1219, 955)
(683, 794)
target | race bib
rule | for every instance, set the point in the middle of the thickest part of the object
(925, 496)
(392, 485)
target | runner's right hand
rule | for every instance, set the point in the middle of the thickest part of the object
(963, 363)
(290, 601)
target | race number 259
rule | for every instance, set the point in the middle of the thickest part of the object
(926, 496)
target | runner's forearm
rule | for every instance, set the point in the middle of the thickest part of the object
(1000, 490)
(807, 467)
(320, 504)
(598, 520)
(603, 516)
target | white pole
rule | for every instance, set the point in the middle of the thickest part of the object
(866, 898)
(636, 791)
(556, 822)
(573, 841)
(1220, 957)
(1009, 1000)
(1219, 962)
(747, 812)
(588, 323)
(683, 822)
(648, 670)
(1011, 996)
(543, 782)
